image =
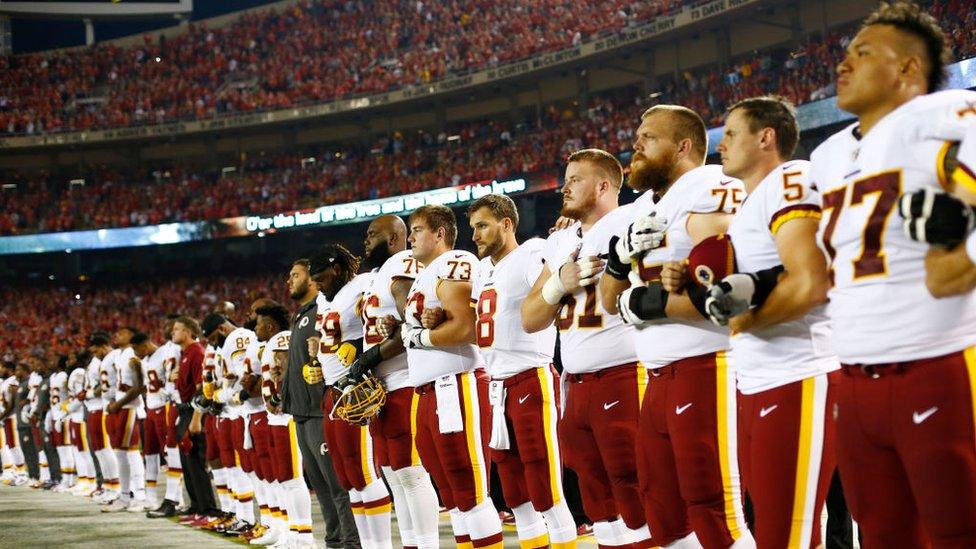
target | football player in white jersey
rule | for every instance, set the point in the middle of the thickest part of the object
(235, 353)
(905, 436)
(395, 268)
(77, 388)
(60, 427)
(166, 359)
(445, 369)
(340, 327)
(124, 412)
(780, 348)
(687, 467)
(98, 393)
(13, 455)
(523, 393)
(292, 508)
(603, 382)
(154, 427)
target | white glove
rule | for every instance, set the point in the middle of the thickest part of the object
(730, 297)
(642, 235)
(590, 268)
(415, 337)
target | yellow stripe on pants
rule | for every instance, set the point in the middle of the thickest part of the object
(549, 430)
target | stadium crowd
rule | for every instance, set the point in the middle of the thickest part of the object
(409, 162)
(312, 51)
(326, 50)
(83, 308)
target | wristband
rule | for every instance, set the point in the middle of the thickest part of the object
(765, 281)
(698, 294)
(553, 290)
(615, 267)
(649, 302)
(425, 338)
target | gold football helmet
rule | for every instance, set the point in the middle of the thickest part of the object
(360, 401)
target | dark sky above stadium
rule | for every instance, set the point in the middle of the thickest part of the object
(31, 35)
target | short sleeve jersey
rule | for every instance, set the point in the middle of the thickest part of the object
(590, 338)
(426, 365)
(127, 379)
(378, 302)
(702, 190)
(498, 294)
(880, 308)
(341, 321)
(790, 351)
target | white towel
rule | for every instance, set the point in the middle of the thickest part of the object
(499, 427)
(449, 416)
(248, 443)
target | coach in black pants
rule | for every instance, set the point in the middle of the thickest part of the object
(303, 402)
(194, 462)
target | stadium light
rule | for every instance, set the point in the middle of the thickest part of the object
(9, 186)
(77, 182)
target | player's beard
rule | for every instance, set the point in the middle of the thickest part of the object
(490, 248)
(300, 291)
(376, 256)
(579, 210)
(652, 175)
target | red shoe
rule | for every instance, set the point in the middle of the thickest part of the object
(187, 519)
(203, 520)
(584, 530)
(506, 518)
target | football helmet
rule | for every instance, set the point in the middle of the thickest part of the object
(359, 401)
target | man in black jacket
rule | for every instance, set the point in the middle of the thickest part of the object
(303, 401)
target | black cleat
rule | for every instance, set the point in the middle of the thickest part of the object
(167, 509)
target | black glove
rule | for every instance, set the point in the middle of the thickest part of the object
(365, 362)
(935, 217)
(616, 266)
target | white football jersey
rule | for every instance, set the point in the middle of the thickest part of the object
(703, 190)
(127, 378)
(341, 321)
(235, 359)
(58, 387)
(426, 365)
(590, 339)
(498, 294)
(795, 350)
(171, 361)
(378, 302)
(76, 383)
(5, 388)
(879, 306)
(33, 389)
(93, 379)
(108, 375)
(154, 376)
(277, 344)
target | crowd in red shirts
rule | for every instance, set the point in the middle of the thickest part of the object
(313, 51)
(410, 161)
(27, 310)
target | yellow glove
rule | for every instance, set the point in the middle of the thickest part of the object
(345, 352)
(208, 391)
(64, 407)
(312, 373)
